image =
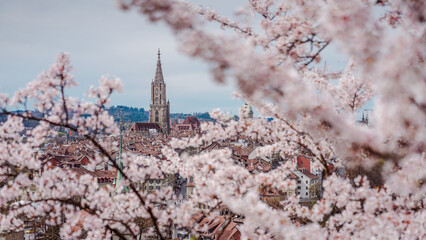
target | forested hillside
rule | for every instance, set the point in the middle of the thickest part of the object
(128, 114)
(125, 114)
(132, 114)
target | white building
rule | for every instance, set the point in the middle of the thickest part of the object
(307, 184)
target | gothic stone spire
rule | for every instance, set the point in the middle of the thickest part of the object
(159, 71)
(160, 108)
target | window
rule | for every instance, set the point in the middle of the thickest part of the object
(306, 188)
(298, 181)
(306, 181)
(151, 188)
(158, 187)
(158, 181)
(298, 187)
(151, 181)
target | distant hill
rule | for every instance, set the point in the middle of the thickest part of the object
(126, 114)
(131, 114)
(27, 123)
(201, 116)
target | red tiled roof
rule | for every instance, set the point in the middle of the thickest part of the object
(310, 175)
(261, 166)
(214, 145)
(191, 120)
(303, 163)
(82, 171)
(214, 225)
(292, 176)
(269, 191)
(84, 160)
(230, 232)
(55, 162)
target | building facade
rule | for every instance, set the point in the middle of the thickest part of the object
(160, 107)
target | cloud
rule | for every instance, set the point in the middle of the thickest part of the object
(105, 40)
(102, 40)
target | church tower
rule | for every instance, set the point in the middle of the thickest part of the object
(159, 111)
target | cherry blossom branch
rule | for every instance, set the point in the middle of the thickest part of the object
(80, 206)
(316, 54)
(104, 152)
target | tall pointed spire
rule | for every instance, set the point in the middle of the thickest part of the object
(159, 111)
(159, 71)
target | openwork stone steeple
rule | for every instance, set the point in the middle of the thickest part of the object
(160, 108)
(159, 71)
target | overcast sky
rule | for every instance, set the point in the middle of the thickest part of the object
(105, 40)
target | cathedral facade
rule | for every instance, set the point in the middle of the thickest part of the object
(159, 111)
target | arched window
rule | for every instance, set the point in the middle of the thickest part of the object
(156, 115)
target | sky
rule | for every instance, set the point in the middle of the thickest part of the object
(104, 40)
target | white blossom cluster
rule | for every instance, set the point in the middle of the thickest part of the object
(273, 58)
